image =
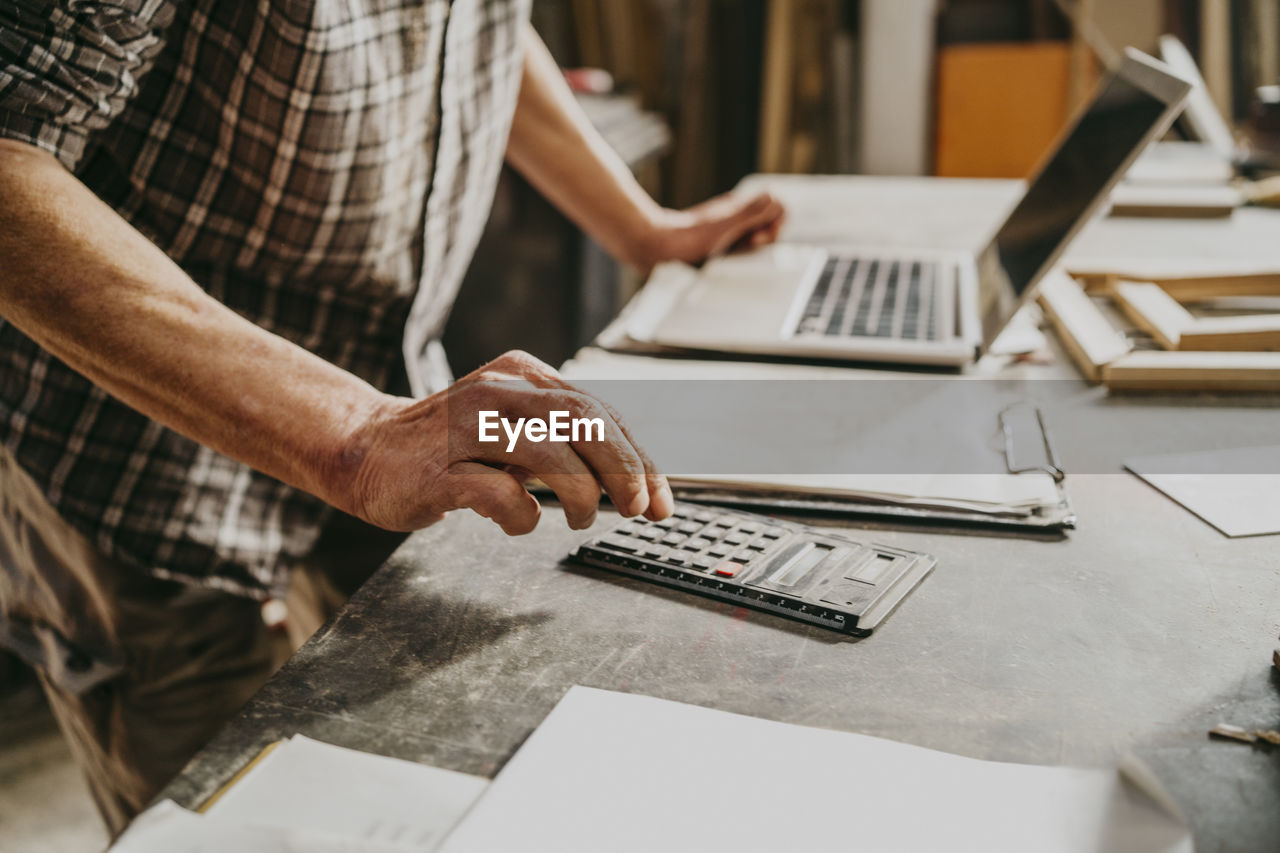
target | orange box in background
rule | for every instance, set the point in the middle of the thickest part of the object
(1000, 107)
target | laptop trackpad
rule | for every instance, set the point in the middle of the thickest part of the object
(775, 260)
(744, 294)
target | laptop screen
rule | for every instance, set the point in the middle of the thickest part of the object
(1122, 116)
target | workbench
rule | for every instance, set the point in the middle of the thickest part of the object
(1136, 632)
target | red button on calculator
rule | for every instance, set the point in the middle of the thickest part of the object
(728, 568)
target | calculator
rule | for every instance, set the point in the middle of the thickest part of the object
(763, 563)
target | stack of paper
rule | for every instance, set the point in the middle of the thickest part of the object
(913, 443)
(903, 436)
(168, 828)
(305, 795)
(992, 494)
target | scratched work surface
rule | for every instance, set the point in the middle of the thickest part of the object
(1139, 632)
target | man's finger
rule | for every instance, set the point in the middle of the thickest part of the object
(758, 214)
(616, 462)
(661, 503)
(513, 369)
(560, 468)
(579, 496)
(774, 228)
(602, 456)
(494, 494)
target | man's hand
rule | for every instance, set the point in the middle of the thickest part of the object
(722, 224)
(417, 459)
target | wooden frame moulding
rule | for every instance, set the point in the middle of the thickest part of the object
(1192, 288)
(1089, 337)
(1104, 355)
(1155, 370)
(1160, 315)
(1153, 310)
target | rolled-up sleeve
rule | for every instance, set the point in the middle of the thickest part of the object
(69, 67)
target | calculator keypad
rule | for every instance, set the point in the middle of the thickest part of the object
(764, 563)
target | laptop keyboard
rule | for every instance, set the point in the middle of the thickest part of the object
(874, 298)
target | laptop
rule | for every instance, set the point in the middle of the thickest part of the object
(918, 306)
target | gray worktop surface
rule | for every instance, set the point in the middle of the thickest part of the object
(1136, 633)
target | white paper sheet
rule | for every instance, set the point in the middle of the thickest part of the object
(1211, 485)
(350, 794)
(633, 774)
(167, 828)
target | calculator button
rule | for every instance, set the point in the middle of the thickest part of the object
(627, 529)
(744, 556)
(749, 527)
(703, 562)
(690, 527)
(703, 516)
(728, 569)
(673, 538)
(697, 544)
(735, 538)
(650, 534)
(760, 544)
(654, 552)
(621, 543)
(720, 550)
(773, 532)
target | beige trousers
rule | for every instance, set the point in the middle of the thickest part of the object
(142, 672)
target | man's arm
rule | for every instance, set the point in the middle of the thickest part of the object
(91, 290)
(87, 287)
(555, 147)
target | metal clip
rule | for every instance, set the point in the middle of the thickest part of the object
(1051, 466)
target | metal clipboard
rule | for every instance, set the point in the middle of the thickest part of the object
(1057, 518)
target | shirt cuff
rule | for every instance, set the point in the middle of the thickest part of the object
(65, 142)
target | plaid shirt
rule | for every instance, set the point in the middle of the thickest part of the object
(323, 168)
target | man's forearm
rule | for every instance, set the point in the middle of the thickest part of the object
(555, 147)
(91, 290)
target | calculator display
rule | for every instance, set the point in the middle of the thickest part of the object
(794, 569)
